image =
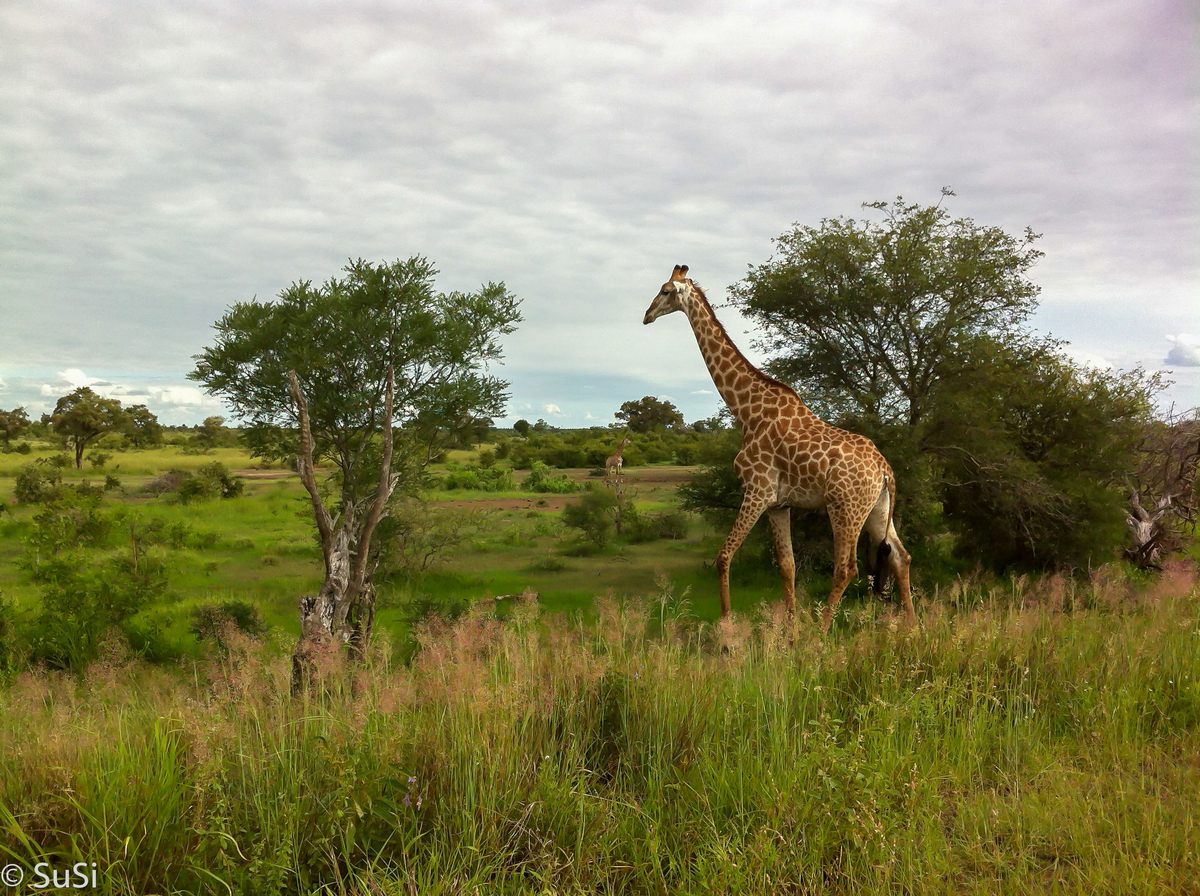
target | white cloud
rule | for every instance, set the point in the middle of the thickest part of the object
(1185, 351)
(3, 385)
(553, 410)
(702, 392)
(175, 402)
(159, 167)
(1088, 359)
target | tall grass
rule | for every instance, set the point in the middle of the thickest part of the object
(1040, 738)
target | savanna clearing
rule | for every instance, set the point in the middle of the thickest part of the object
(1031, 736)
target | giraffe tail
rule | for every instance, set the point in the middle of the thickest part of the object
(881, 557)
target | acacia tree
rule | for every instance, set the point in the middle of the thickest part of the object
(143, 427)
(13, 424)
(648, 414)
(879, 317)
(83, 416)
(343, 372)
(911, 331)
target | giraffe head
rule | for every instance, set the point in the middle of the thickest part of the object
(675, 295)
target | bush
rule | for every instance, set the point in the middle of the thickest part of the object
(23, 448)
(82, 602)
(165, 482)
(98, 459)
(412, 539)
(592, 515)
(38, 483)
(10, 648)
(210, 481)
(212, 622)
(653, 526)
(486, 479)
(540, 480)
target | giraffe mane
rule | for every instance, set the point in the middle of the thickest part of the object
(720, 326)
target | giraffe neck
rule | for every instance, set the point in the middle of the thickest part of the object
(740, 383)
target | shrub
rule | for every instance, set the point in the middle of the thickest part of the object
(210, 481)
(10, 652)
(23, 448)
(38, 483)
(591, 515)
(165, 482)
(486, 479)
(549, 563)
(653, 526)
(540, 480)
(211, 622)
(411, 539)
(98, 459)
(686, 455)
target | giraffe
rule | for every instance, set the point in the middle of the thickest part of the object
(612, 466)
(792, 458)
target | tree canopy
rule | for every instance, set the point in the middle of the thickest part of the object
(649, 413)
(13, 424)
(340, 339)
(876, 317)
(83, 416)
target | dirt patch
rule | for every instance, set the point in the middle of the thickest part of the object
(265, 474)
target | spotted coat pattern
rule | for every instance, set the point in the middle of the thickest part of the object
(612, 466)
(791, 458)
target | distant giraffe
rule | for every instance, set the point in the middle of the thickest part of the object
(612, 466)
(792, 458)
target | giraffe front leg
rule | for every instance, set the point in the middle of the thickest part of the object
(752, 508)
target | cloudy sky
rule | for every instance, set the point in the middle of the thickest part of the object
(159, 161)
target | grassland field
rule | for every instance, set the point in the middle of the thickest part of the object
(265, 550)
(1031, 736)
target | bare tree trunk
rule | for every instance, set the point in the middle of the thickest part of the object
(343, 611)
(1148, 533)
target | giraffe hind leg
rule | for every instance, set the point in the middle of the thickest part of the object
(781, 528)
(847, 526)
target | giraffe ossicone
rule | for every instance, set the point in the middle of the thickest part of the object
(792, 458)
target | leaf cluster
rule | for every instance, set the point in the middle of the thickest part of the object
(874, 316)
(340, 338)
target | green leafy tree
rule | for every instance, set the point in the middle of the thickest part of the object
(648, 414)
(350, 367)
(1034, 452)
(143, 429)
(13, 425)
(83, 416)
(521, 428)
(877, 318)
(911, 331)
(212, 432)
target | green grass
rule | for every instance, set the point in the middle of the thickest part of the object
(1030, 737)
(1006, 747)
